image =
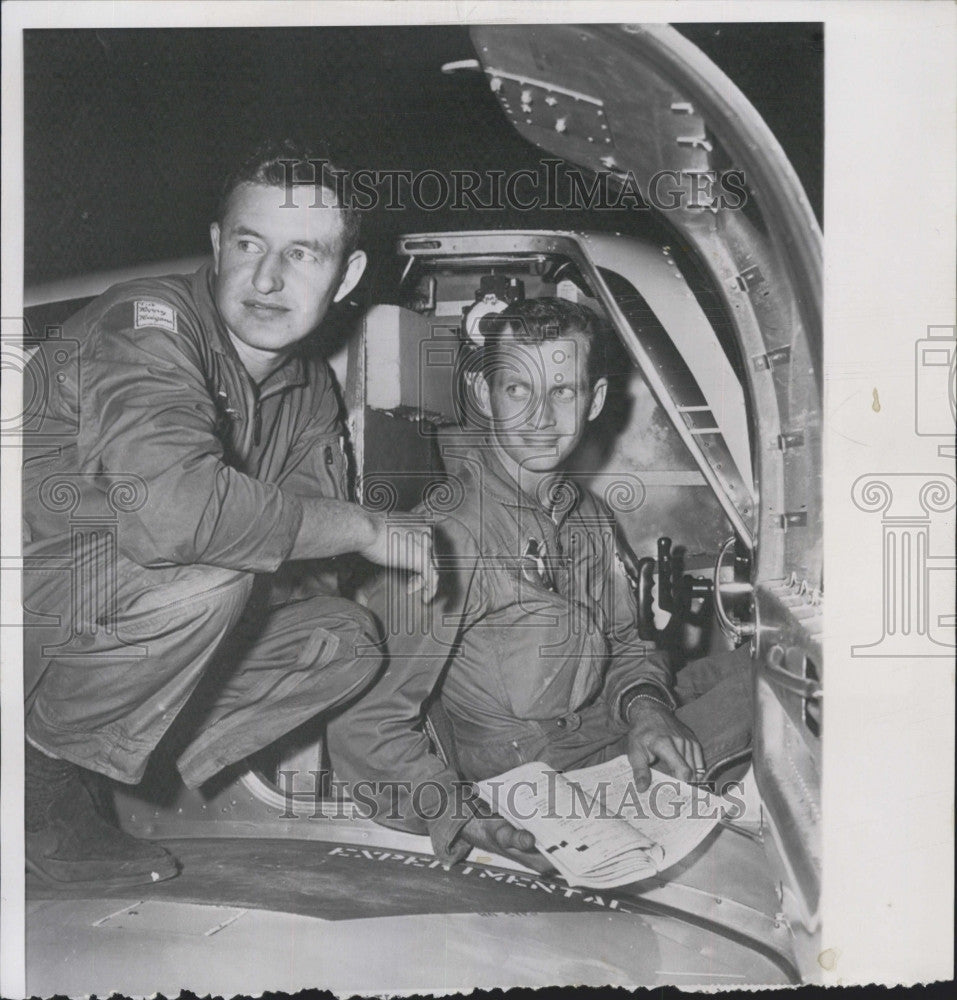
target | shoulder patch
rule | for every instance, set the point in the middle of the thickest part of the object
(149, 312)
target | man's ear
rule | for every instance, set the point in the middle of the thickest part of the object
(351, 274)
(598, 394)
(214, 239)
(482, 393)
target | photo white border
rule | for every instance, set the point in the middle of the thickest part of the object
(889, 223)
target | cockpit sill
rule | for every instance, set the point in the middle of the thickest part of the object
(704, 890)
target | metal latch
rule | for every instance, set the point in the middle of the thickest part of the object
(781, 356)
(791, 439)
(793, 519)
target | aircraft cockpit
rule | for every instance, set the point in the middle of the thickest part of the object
(707, 452)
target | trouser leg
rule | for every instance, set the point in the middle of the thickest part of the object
(104, 700)
(716, 703)
(291, 663)
(106, 705)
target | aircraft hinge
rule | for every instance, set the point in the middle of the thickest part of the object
(749, 277)
(763, 362)
(792, 439)
(695, 142)
(793, 519)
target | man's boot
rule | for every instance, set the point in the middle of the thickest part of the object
(69, 843)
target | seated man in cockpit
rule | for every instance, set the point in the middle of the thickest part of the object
(533, 634)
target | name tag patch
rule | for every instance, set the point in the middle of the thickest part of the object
(150, 313)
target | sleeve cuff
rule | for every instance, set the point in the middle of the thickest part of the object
(278, 549)
(445, 829)
(666, 696)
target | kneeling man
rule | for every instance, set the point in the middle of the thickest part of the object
(206, 474)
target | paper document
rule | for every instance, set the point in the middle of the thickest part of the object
(595, 827)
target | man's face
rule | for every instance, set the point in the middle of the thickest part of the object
(540, 401)
(279, 266)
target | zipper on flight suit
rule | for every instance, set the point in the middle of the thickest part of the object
(558, 572)
(251, 428)
(253, 435)
(333, 466)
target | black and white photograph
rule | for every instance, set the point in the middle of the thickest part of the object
(424, 433)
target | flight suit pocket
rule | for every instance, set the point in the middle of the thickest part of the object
(318, 650)
(333, 467)
(497, 755)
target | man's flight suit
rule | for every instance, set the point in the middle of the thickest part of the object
(158, 529)
(534, 637)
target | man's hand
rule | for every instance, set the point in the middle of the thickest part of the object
(407, 545)
(492, 833)
(657, 737)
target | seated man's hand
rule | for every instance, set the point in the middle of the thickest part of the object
(494, 834)
(657, 737)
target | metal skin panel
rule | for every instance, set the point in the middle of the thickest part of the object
(89, 285)
(671, 109)
(116, 944)
(717, 900)
(667, 107)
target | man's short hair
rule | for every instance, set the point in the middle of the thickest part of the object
(281, 162)
(533, 321)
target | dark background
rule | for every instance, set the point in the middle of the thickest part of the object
(128, 132)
